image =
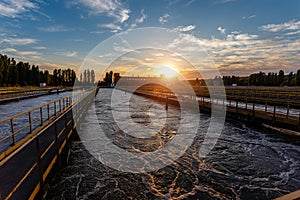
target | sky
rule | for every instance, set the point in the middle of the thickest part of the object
(240, 36)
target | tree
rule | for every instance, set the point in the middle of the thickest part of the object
(84, 76)
(47, 77)
(13, 75)
(55, 77)
(22, 74)
(280, 77)
(298, 78)
(35, 75)
(27, 73)
(88, 74)
(92, 76)
(290, 78)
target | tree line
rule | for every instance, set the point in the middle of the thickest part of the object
(23, 74)
(109, 80)
(265, 79)
(87, 77)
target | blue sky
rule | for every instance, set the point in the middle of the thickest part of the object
(241, 36)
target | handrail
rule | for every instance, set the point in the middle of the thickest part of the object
(264, 108)
(44, 146)
(285, 98)
(51, 110)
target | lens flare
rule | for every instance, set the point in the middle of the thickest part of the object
(167, 72)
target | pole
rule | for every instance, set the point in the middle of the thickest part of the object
(12, 131)
(166, 102)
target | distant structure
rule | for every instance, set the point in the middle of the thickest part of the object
(137, 81)
(116, 78)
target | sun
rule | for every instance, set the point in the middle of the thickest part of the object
(167, 72)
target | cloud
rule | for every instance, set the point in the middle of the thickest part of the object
(222, 30)
(19, 41)
(142, 18)
(249, 17)
(49, 66)
(112, 8)
(53, 29)
(113, 27)
(287, 26)
(10, 50)
(185, 28)
(241, 37)
(14, 8)
(241, 53)
(124, 15)
(39, 48)
(139, 20)
(293, 32)
(223, 1)
(97, 32)
(189, 2)
(22, 55)
(164, 19)
(26, 53)
(19, 53)
(69, 53)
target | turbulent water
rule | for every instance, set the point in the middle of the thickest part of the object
(244, 164)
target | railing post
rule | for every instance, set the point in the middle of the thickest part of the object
(41, 115)
(54, 107)
(48, 110)
(236, 106)
(274, 113)
(12, 131)
(266, 107)
(253, 109)
(166, 102)
(59, 105)
(39, 163)
(288, 110)
(30, 123)
(299, 121)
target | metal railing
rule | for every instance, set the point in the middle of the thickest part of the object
(18, 94)
(271, 109)
(16, 130)
(42, 150)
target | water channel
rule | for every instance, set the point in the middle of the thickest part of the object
(246, 163)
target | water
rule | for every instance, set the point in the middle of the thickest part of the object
(15, 107)
(244, 164)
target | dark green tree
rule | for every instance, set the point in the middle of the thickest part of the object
(92, 76)
(281, 77)
(290, 78)
(298, 78)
